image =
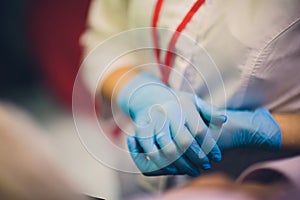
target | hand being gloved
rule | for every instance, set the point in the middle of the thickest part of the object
(244, 128)
(169, 131)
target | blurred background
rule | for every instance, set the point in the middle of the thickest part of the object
(39, 58)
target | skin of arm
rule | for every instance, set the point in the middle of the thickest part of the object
(288, 123)
(290, 129)
(115, 82)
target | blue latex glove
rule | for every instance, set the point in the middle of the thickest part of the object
(170, 135)
(245, 128)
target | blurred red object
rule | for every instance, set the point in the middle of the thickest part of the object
(54, 28)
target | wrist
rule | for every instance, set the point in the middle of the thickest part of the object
(140, 91)
(268, 127)
(115, 81)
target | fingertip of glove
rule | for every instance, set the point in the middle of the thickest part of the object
(219, 120)
(217, 157)
(206, 166)
(224, 118)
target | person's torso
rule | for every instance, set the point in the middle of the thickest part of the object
(252, 50)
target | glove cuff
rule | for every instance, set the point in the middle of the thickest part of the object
(270, 129)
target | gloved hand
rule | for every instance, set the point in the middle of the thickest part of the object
(245, 128)
(170, 135)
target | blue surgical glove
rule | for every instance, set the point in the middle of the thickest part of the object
(169, 131)
(255, 129)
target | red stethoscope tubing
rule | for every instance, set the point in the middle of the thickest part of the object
(165, 67)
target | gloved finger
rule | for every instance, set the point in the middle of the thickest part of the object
(208, 144)
(210, 113)
(145, 122)
(198, 130)
(144, 164)
(173, 153)
(182, 136)
(204, 138)
(192, 150)
(148, 146)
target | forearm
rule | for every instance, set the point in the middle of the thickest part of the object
(115, 81)
(290, 129)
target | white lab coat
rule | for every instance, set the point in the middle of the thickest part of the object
(254, 44)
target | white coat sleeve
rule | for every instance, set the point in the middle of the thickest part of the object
(106, 18)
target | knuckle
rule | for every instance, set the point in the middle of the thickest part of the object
(201, 155)
(185, 142)
(201, 131)
(170, 150)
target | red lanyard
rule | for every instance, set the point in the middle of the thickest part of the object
(166, 69)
